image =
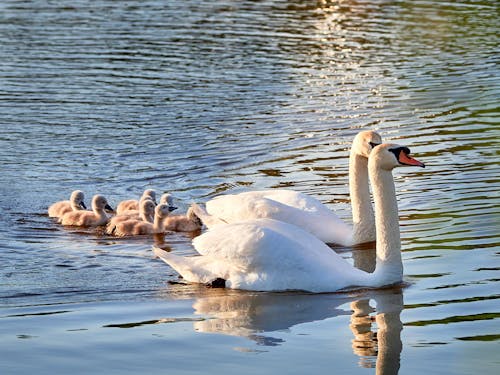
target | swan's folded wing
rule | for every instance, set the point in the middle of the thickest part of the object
(238, 207)
(263, 254)
(294, 199)
(236, 242)
(284, 205)
(261, 244)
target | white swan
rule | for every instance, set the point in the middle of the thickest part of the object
(75, 203)
(303, 210)
(270, 255)
(93, 218)
(133, 204)
(138, 227)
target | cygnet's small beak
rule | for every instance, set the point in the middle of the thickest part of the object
(172, 208)
(107, 207)
(82, 205)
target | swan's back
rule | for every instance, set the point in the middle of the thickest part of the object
(223, 205)
(284, 205)
(266, 254)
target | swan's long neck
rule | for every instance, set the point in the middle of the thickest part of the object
(362, 211)
(389, 265)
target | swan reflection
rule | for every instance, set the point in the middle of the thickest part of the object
(384, 343)
(257, 316)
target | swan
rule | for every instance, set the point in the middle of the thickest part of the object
(137, 227)
(93, 218)
(146, 213)
(133, 204)
(74, 203)
(271, 255)
(303, 210)
(183, 223)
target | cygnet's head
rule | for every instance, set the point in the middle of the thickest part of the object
(77, 196)
(149, 193)
(167, 198)
(100, 203)
(147, 206)
(163, 210)
(365, 141)
(389, 156)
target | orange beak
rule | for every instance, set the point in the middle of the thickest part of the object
(408, 160)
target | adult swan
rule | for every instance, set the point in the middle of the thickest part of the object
(270, 255)
(303, 210)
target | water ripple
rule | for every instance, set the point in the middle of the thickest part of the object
(204, 98)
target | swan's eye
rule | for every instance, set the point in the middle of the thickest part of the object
(406, 150)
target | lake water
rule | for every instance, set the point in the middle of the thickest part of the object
(204, 98)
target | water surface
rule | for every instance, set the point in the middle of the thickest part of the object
(200, 99)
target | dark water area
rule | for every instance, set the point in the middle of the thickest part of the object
(205, 98)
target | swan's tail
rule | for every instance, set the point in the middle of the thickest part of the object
(193, 269)
(205, 217)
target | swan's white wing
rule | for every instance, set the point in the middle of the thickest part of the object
(266, 254)
(238, 207)
(284, 205)
(295, 199)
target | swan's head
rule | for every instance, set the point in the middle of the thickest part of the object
(167, 198)
(389, 156)
(149, 193)
(147, 206)
(364, 142)
(100, 203)
(163, 210)
(77, 196)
